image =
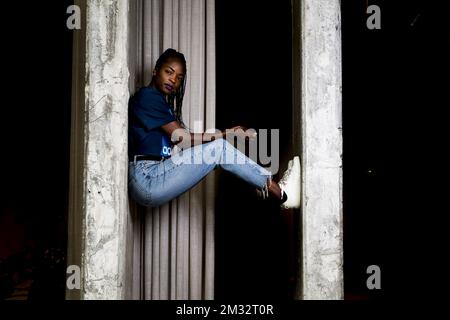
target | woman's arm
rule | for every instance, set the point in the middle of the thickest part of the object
(187, 139)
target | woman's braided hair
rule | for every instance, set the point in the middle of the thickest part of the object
(175, 99)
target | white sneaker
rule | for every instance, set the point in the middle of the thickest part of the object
(290, 183)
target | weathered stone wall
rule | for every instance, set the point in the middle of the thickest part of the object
(99, 208)
(321, 141)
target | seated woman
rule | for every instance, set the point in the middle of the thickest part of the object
(156, 177)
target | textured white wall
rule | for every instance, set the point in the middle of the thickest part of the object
(106, 108)
(321, 136)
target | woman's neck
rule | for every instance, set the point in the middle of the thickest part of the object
(152, 86)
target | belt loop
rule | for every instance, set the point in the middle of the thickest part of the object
(135, 160)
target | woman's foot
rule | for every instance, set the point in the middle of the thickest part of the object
(290, 184)
(287, 191)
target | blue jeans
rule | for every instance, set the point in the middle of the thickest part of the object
(153, 183)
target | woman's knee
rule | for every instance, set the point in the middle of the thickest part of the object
(222, 144)
(212, 151)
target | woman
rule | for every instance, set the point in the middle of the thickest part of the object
(155, 176)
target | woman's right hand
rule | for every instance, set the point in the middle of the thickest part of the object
(243, 132)
(236, 128)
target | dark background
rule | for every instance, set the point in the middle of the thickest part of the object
(395, 92)
(254, 89)
(35, 137)
(395, 84)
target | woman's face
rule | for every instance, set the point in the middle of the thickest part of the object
(169, 77)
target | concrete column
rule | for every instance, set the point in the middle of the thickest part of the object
(321, 147)
(101, 218)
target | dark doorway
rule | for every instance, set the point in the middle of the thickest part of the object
(254, 89)
(35, 171)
